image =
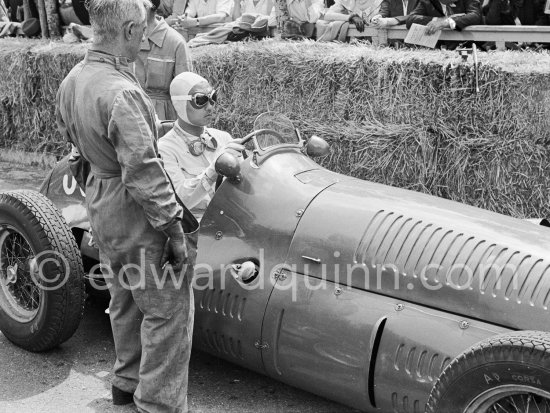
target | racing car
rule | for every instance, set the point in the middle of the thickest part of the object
(380, 298)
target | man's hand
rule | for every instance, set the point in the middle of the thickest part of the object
(187, 22)
(234, 147)
(172, 20)
(175, 250)
(380, 22)
(374, 20)
(437, 23)
(358, 22)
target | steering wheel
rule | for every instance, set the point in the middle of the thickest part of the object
(272, 132)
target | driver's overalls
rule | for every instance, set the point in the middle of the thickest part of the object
(102, 109)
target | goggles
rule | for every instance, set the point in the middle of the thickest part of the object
(198, 146)
(200, 99)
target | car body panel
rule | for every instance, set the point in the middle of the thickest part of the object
(254, 220)
(382, 353)
(62, 189)
(429, 251)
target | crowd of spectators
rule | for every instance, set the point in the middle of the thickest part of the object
(215, 21)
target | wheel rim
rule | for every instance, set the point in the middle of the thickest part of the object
(511, 398)
(20, 296)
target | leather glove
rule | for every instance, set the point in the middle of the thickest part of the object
(357, 21)
(175, 251)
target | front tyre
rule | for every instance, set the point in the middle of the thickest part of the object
(505, 373)
(41, 275)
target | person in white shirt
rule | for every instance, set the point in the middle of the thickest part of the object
(264, 8)
(356, 12)
(190, 149)
(201, 16)
(305, 10)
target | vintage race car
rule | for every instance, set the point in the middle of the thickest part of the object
(380, 298)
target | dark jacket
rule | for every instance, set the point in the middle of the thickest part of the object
(426, 10)
(394, 8)
(529, 12)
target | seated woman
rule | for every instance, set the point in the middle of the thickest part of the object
(190, 149)
(163, 54)
(356, 12)
(201, 16)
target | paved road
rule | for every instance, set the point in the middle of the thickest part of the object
(75, 377)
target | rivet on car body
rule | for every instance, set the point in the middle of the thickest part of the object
(219, 235)
(260, 345)
(280, 275)
(399, 307)
(338, 291)
(464, 325)
(299, 213)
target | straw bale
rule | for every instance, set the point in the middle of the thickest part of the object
(408, 118)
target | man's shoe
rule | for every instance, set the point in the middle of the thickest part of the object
(121, 397)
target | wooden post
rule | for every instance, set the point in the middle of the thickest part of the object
(42, 16)
(52, 17)
(26, 10)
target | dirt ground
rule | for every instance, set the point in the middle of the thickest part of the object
(76, 376)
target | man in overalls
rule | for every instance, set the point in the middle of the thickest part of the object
(141, 230)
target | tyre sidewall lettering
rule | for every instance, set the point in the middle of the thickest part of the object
(480, 379)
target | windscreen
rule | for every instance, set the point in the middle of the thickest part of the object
(277, 129)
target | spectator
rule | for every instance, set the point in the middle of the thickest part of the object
(516, 12)
(356, 12)
(303, 14)
(394, 12)
(445, 14)
(201, 16)
(136, 220)
(171, 10)
(8, 27)
(163, 54)
(13, 10)
(190, 149)
(264, 8)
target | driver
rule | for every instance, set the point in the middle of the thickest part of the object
(190, 149)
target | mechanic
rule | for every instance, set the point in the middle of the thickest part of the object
(163, 54)
(138, 225)
(190, 149)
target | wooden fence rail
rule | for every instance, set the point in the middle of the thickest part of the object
(498, 34)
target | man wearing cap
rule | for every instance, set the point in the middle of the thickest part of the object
(138, 225)
(190, 149)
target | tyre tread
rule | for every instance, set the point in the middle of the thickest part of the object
(67, 302)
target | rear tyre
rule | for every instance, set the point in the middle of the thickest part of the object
(41, 276)
(505, 373)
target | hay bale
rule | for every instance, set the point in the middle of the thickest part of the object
(409, 118)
